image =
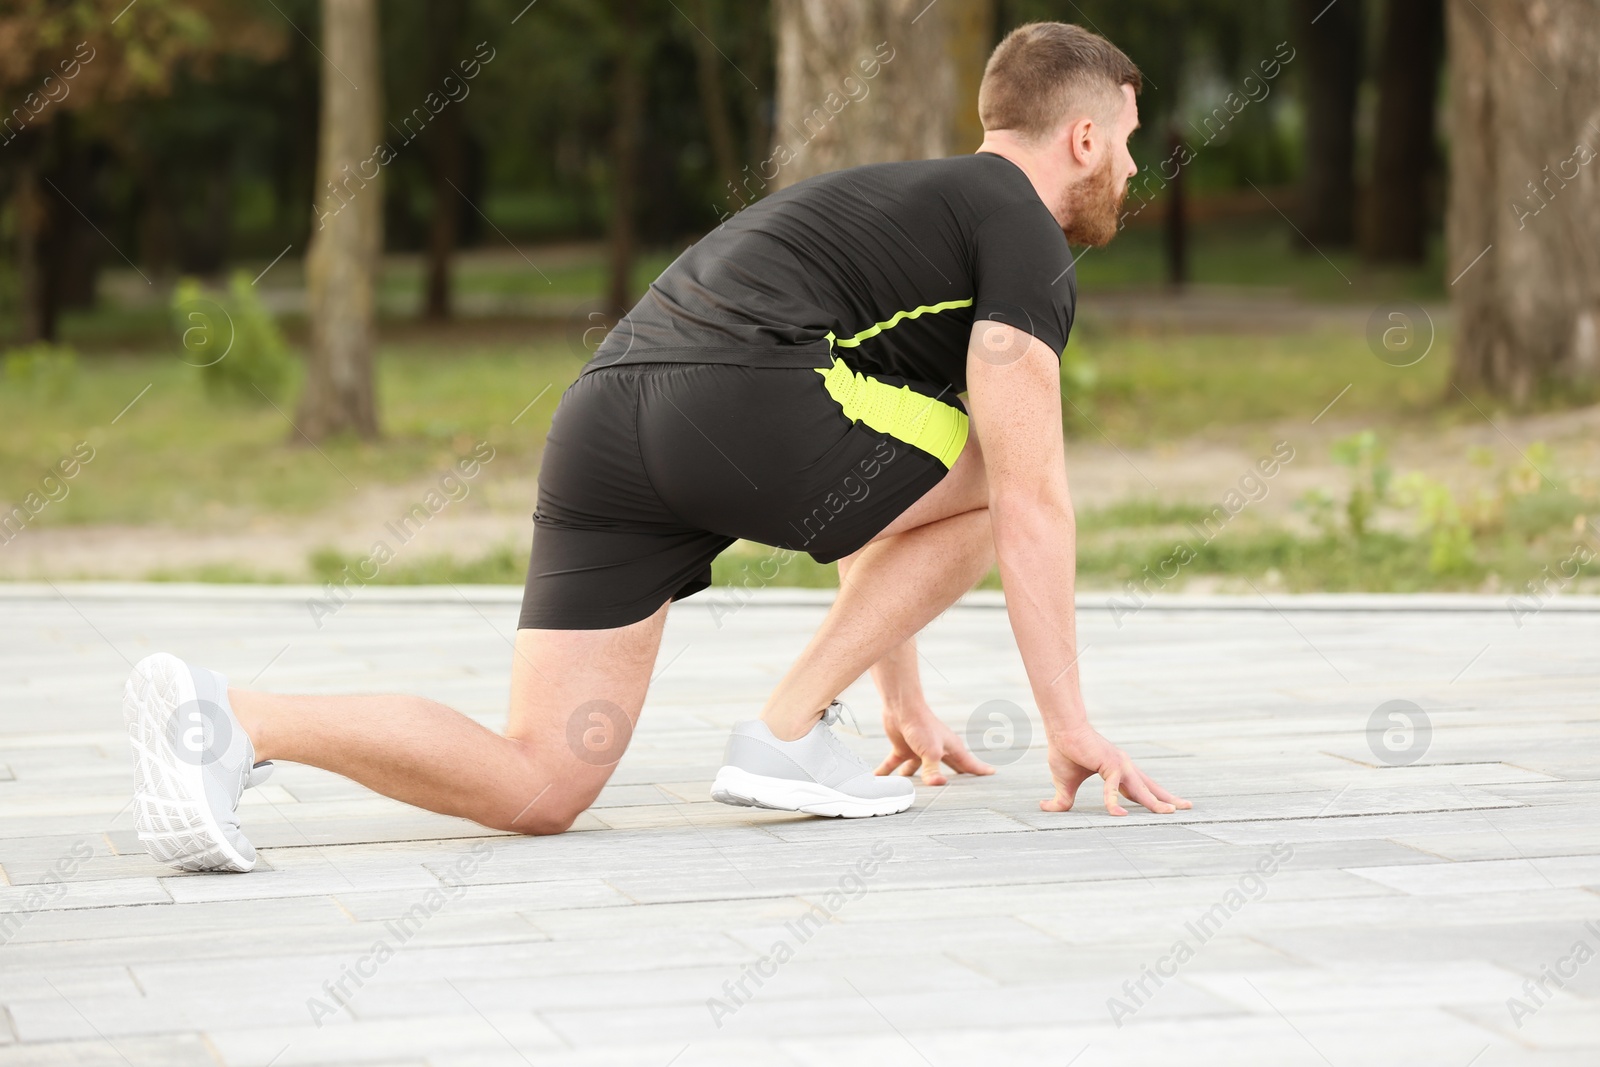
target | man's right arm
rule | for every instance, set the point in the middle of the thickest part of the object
(1014, 385)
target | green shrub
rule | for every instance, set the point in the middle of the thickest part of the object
(1370, 474)
(1439, 518)
(50, 371)
(233, 340)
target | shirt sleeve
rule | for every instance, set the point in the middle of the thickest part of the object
(1023, 274)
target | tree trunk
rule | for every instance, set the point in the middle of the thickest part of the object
(203, 243)
(713, 96)
(859, 81)
(1523, 223)
(625, 136)
(1331, 36)
(72, 250)
(758, 54)
(155, 223)
(347, 227)
(38, 318)
(969, 41)
(445, 19)
(1404, 155)
(1175, 224)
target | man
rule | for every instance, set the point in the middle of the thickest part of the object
(791, 379)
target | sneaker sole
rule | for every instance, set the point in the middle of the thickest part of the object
(175, 822)
(743, 789)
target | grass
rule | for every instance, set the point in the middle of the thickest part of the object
(502, 565)
(175, 457)
(1166, 386)
(1379, 562)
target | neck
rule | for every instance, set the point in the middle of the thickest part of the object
(1045, 175)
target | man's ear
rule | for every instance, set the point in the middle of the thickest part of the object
(1082, 137)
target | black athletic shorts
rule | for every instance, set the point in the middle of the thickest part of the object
(652, 469)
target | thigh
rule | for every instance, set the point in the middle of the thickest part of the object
(575, 697)
(965, 488)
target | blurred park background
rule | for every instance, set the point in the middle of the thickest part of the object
(290, 288)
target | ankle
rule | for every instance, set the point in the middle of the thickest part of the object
(789, 725)
(247, 711)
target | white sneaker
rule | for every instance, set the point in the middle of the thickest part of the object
(816, 774)
(192, 760)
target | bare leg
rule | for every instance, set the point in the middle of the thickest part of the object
(575, 696)
(888, 591)
(896, 587)
(919, 741)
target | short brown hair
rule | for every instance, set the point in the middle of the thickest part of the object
(1043, 71)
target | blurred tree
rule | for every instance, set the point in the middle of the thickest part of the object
(713, 97)
(1214, 92)
(859, 81)
(446, 159)
(347, 235)
(175, 192)
(549, 173)
(1331, 36)
(628, 87)
(93, 59)
(72, 249)
(732, 48)
(1404, 153)
(970, 40)
(1523, 222)
(1175, 221)
(756, 46)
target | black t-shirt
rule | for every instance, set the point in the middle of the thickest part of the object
(885, 265)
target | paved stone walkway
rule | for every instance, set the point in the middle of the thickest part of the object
(1343, 893)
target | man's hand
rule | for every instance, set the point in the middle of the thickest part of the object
(1083, 753)
(921, 740)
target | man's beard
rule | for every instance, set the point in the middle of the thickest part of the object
(1092, 208)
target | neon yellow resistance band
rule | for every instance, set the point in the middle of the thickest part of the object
(935, 427)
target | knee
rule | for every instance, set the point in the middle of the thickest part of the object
(546, 824)
(551, 812)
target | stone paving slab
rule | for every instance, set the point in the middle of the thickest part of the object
(1425, 907)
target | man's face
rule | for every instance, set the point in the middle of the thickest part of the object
(1092, 203)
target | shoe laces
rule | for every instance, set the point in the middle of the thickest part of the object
(830, 716)
(255, 774)
(833, 711)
